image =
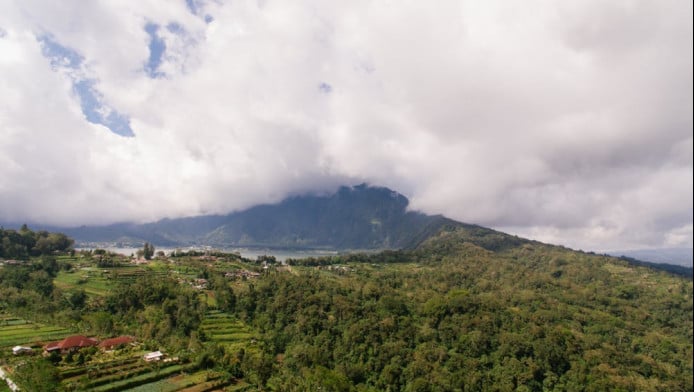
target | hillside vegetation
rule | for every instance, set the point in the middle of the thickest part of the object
(474, 309)
(470, 309)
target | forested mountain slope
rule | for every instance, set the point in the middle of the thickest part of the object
(474, 310)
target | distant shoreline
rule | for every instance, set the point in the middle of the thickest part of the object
(249, 253)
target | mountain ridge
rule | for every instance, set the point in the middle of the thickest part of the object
(354, 217)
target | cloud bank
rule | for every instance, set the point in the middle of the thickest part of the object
(568, 123)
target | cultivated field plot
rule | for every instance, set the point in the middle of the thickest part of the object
(201, 381)
(91, 280)
(127, 371)
(99, 281)
(16, 331)
(226, 329)
(122, 374)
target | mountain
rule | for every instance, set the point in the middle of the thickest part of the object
(461, 238)
(358, 217)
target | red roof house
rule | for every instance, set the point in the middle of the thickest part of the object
(110, 344)
(71, 343)
(52, 346)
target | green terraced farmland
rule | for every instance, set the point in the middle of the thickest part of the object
(99, 281)
(140, 378)
(203, 380)
(92, 280)
(124, 373)
(132, 374)
(16, 331)
(224, 328)
(79, 374)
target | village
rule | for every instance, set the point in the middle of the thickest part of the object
(87, 359)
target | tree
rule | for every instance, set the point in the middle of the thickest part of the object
(148, 251)
(78, 299)
(41, 282)
(37, 375)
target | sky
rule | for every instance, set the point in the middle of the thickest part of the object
(565, 122)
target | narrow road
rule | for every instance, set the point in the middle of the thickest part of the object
(10, 383)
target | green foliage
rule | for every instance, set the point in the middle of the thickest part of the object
(161, 308)
(36, 275)
(470, 309)
(493, 314)
(25, 242)
(37, 374)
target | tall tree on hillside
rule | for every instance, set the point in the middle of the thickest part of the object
(148, 251)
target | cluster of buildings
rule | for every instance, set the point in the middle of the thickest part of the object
(74, 343)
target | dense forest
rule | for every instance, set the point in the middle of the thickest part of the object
(527, 316)
(470, 309)
(23, 243)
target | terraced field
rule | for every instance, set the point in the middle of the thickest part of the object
(16, 331)
(145, 376)
(201, 381)
(226, 329)
(120, 374)
(99, 281)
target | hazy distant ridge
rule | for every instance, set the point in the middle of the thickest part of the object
(358, 217)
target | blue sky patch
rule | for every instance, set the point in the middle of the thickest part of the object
(60, 56)
(157, 47)
(91, 100)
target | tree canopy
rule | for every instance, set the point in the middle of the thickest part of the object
(23, 243)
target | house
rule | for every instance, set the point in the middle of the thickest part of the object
(16, 350)
(140, 260)
(153, 356)
(241, 274)
(71, 344)
(200, 284)
(114, 343)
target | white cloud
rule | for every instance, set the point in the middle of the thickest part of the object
(565, 122)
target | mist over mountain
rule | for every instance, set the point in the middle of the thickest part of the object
(360, 217)
(357, 217)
